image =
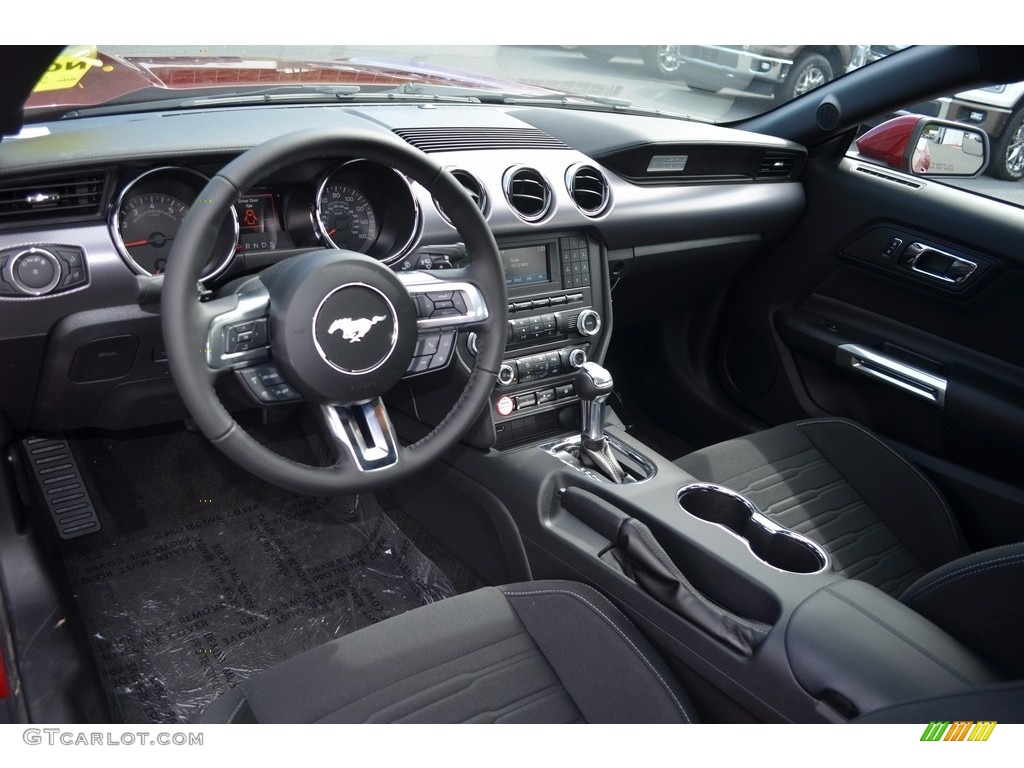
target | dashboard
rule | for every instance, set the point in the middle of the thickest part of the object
(580, 202)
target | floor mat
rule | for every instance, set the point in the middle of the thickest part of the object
(182, 612)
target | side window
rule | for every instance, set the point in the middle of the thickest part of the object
(996, 112)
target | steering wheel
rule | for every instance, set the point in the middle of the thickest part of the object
(335, 328)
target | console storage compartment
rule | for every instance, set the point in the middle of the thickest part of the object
(852, 642)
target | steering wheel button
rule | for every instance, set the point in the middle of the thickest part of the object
(427, 345)
(270, 377)
(255, 385)
(440, 296)
(285, 392)
(420, 364)
(424, 306)
(259, 333)
(459, 300)
(444, 348)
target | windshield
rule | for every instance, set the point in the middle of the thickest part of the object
(713, 83)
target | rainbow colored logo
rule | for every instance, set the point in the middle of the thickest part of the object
(960, 730)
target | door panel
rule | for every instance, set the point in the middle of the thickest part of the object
(927, 357)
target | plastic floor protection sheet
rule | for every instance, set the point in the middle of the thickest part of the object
(182, 614)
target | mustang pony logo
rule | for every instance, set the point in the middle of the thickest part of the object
(353, 330)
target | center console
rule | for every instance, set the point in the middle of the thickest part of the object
(754, 613)
(558, 320)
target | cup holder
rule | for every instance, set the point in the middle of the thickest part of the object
(772, 544)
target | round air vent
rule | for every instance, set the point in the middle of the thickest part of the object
(527, 192)
(473, 186)
(588, 188)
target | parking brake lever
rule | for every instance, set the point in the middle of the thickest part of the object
(593, 385)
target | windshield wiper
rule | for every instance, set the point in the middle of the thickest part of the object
(278, 93)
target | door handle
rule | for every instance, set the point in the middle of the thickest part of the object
(868, 362)
(937, 264)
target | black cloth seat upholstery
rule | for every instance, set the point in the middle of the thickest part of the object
(538, 652)
(882, 521)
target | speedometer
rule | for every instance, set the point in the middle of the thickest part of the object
(346, 217)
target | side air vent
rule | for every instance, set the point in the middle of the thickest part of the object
(56, 197)
(588, 188)
(468, 139)
(776, 165)
(527, 192)
(472, 186)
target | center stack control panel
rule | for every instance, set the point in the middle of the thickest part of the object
(556, 324)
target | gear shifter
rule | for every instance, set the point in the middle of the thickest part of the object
(593, 385)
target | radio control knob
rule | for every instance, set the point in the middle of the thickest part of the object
(506, 374)
(588, 322)
(577, 357)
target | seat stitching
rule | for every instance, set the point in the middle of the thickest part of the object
(963, 572)
(523, 702)
(885, 625)
(771, 462)
(467, 654)
(621, 634)
(957, 534)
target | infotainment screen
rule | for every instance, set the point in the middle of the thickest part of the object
(526, 265)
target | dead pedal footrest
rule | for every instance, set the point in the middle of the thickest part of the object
(62, 487)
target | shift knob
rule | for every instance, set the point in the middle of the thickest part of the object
(593, 385)
(592, 381)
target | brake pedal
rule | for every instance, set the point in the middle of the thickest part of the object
(62, 486)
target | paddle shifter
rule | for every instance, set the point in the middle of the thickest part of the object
(593, 385)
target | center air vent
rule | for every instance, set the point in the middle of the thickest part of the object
(472, 186)
(588, 188)
(527, 192)
(56, 197)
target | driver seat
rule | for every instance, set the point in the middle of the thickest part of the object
(537, 652)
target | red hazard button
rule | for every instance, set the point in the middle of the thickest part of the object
(505, 405)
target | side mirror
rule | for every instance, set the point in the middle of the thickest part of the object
(925, 146)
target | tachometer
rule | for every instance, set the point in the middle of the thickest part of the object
(346, 217)
(149, 214)
(147, 225)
